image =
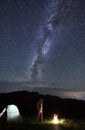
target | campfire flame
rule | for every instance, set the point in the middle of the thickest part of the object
(55, 119)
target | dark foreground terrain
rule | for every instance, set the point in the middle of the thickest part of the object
(26, 102)
(72, 112)
(32, 124)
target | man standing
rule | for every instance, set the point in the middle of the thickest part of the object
(40, 110)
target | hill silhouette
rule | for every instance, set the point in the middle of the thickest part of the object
(26, 102)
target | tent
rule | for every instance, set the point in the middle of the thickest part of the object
(12, 114)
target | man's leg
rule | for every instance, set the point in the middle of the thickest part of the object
(38, 116)
(41, 116)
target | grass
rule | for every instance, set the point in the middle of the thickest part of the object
(73, 124)
(33, 124)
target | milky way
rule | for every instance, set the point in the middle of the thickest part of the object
(43, 41)
(58, 16)
(36, 68)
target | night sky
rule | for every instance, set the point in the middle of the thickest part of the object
(42, 43)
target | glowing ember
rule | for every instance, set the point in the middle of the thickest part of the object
(55, 120)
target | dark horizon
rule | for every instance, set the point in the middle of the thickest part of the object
(42, 88)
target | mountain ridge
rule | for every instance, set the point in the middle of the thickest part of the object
(26, 102)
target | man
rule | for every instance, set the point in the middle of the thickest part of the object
(40, 110)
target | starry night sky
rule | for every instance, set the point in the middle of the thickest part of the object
(43, 41)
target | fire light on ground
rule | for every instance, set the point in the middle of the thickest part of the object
(55, 119)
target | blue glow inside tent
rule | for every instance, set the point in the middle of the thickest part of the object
(13, 113)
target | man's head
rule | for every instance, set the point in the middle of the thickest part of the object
(41, 100)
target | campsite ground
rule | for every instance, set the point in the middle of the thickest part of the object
(72, 110)
(32, 124)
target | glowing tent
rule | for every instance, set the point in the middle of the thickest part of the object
(13, 114)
